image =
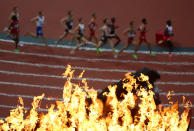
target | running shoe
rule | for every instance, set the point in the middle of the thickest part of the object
(152, 54)
(98, 51)
(20, 44)
(135, 56)
(16, 50)
(116, 54)
(160, 42)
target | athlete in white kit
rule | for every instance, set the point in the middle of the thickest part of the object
(79, 33)
(39, 22)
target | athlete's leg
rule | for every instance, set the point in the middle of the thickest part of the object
(100, 44)
(73, 37)
(31, 34)
(112, 47)
(118, 40)
(16, 40)
(124, 48)
(137, 46)
(61, 37)
(95, 38)
(170, 46)
(81, 42)
(149, 46)
(44, 40)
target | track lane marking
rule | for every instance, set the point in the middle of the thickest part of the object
(94, 49)
(89, 78)
(87, 68)
(99, 59)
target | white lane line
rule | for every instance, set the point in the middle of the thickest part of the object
(60, 88)
(99, 59)
(175, 83)
(60, 99)
(94, 49)
(177, 94)
(87, 68)
(180, 105)
(91, 79)
(30, 97)
(30, 85)
(26, 108)
(58, 77)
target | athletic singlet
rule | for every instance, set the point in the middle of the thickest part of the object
(39, 21)
(69, 23)
(81, 29)
(103, 37)
(169, 30)
(111, 28)
(15, 14)
(93, 25)
(14, 27)
(131, 33)
(142, 28)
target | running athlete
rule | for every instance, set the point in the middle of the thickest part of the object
(68, 23)
(79, 33)
(142, 38)
(131, 34)
(168, 33)
(39, 21)
(14, 12)
(14, 31)
(105, 38)
(112, 31)
(92, 27)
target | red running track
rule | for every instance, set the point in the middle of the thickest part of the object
(36, 70)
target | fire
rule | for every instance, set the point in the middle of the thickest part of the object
(81, 109)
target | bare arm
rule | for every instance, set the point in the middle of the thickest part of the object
(90, 22)
(63, 20)
(11, 14)
(126, 31)
(34, 19)
(76, 29)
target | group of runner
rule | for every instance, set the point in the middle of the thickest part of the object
(108, 30)
(14, 30)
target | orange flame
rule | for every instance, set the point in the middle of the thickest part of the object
(76, 113)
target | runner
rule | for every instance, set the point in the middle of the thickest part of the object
(142, 38)
(131, 34)
(92, 27)
(112, 30)
(105, 38)
(14, 12)
(14, 31)
(39, 21)
(68, 23)
(79, 33)
(168, 34)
